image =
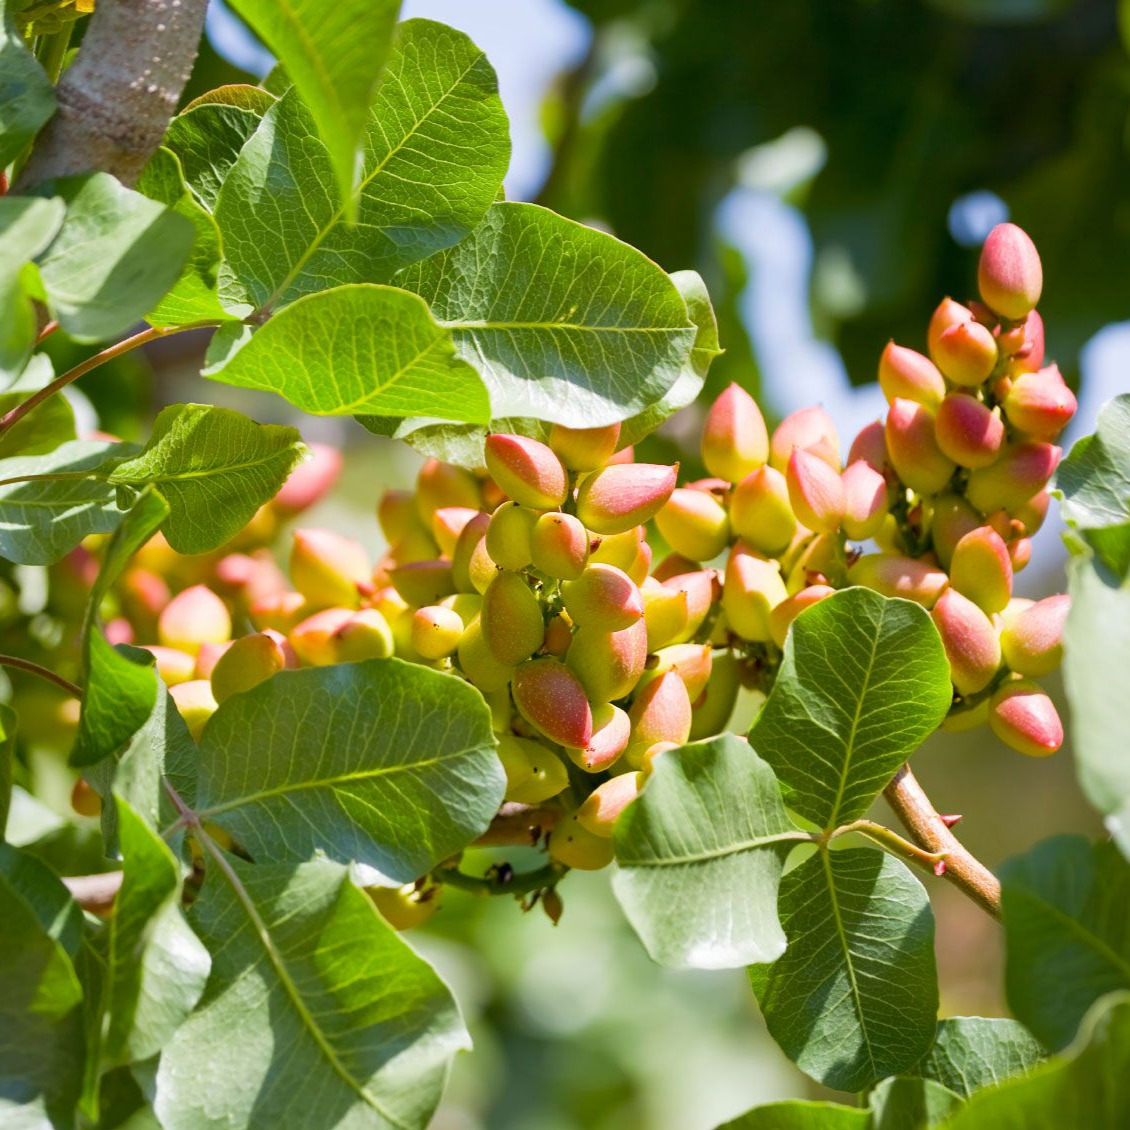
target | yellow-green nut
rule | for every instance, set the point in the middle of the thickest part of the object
(584, 449)
(533, 773)
(436, 631)
(512, 621)
(441, 484)
(551, 698)
(694, 524)
(966, 353)
(195, 704)
(249, 661)
(602, 807)
(810, 429)
(628, 551)
(472, 569)
(508, 536)
(664, 612)
(961, 719)
(622, 495)
(661, 712)
(970, 639)
(1032, 637)
(751, 590)
(423, 582)
(782, 616)
(527, 470)
(692, 662)
(406, 907)
(397, 516)
(711, 712)
(465, 605)
(866, 500)
(907, 375)
(700, 587)
(194, 617)
(912, 447)
(892, 575)
(735, 441)
(952, 519)
(174, 666)
(1009, 274)
(816, 492)
(447, 525)
(608, 664)
(559, 546)
(478, 663)
(760, 512)
(604, 596)
(981, 569)
(328, 569)
(1023, 470)
(577, 847)
(342, 635)
(611, 730)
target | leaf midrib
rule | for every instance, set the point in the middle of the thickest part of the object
(721, 853)
(204, 473)
(1088, 937)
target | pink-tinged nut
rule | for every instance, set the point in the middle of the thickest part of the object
(968, 431)
(981, 569)
(1020, 553)
(577, 847)
(819, 562)
(533, 773)
(624, 455)
(195, 704)
(365, 635)
(328, 569)
(611, 730)
(118, 630)
(699, 587)
(1025, 719)
(416, 545)
(692, 662)
(397, 516)
(309, 481)
(870, 447)
(971, 642)
(1040, 404)
(711, 711)
(735, 440)
(249, 661)
(144, 594)
(953, 519)
(905, 374)
(909, 577)
(478, 663)
(509, 534)
(172, 665)
(620, 496)
(913, 448)
(472, 568)
(810, 429)
(436, 631)
(760, 512)
(551, 698)
(584, 449)
(1032, 513)
(251, 576)
(865, 500)
(558, 636)
(602, 807)
(966, 353)
(1030, 356)
(1032, 639)
(1023, 470)
(440, 484)
(423, 582)
(527, 470)
(947, 314)
(694, 524)
(782, 616)
(559, 546)
(194, 617)
(608, 664)
(674, 565)
(661, 712)
(647, 758)
(448, 522)
(341, 635)
(280, 612)
(752, 589)
(1009, 275)
(604, 597)
(208, 656)
(664, 613)
(628, 551)
(816, 492)
(511, 619)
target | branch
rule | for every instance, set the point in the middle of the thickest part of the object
(43, 672)
(116, 100)
(927, 828)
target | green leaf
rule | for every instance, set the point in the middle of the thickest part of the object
(58, 914)
(1088, 1086)
(461, 444)
(700, 855)
(971, 1052)
(27, 226)
(43, 429)
(1096, 642)
(334, 56)
(563, 322)
(855, 996)
(194, 296)
(383, 762)
(41, 521)
(316, 1014)
(27, 98)
(359, 349)
(207, 135)
(8, 724)
(1067, 933)
(797, 1115)
(1094, 485)
(115, 257)
(863, 683)
(215, 468)
(907, 1103)
(432, 160)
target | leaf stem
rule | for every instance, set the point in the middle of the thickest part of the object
(46, 332)
(890, 841)
(43, 673)
(500, 880)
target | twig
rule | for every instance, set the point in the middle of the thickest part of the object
(43, 673)
(892, 842)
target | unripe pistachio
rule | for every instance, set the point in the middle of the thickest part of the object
(501, 710)
(661, 712)
(1032, 638)
(611, 730)
(913, 448)
(972, 646)
(328, 569)
(472, 568)
(436, 631)
(584, 449)
(250, 661)
(118, 630)
(1022, 471)
(1030, 356)
(865, 500)
(760, 512)
(1020, 553)
(816, 492)
(947, 313)
(870, 447)
(911, 577)
(1025, 719)
(511, 619)
(416, 545)
(889, 538)
(84, 800)
(752, 589)
(342, 635)
(478, 663)
(968, 431)
(558, 636)
(782, 616)
(250, 576)
(1009, 275)
(465, 605)
(664, 613)
(603, 596)
(406, 907)
(559, 546)
(962, 719)
(396, 515)
(674, 565)
(628, 551)
(608, 664)
(533, 773)
(208, 656)
(174, 666)
(441, 484)
(1031, 514)
(905, 374)
(966, 353)
(448, 523)
(692, 662)
(309, 481)
(620, 496)
(508, 536)
(601, 808)
(528, 471)
(694, 524)
(365, 635)
(810, 429)
(195, 704)
(981, 569)
(1040, 404)
(551, 698)
(193, 617)
(701, 589)
(624, 455)
(280, 612)
(647, 758)
(423, 582)
(577, 847)
(144, 594)
(711, 711)
(952, 519)
(735, 440)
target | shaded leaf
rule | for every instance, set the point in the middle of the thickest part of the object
(43, 429)
(58, 914)
(797, 1115)
(971, 1052)
(8, 723)
(27, 98)
(908, 1103)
